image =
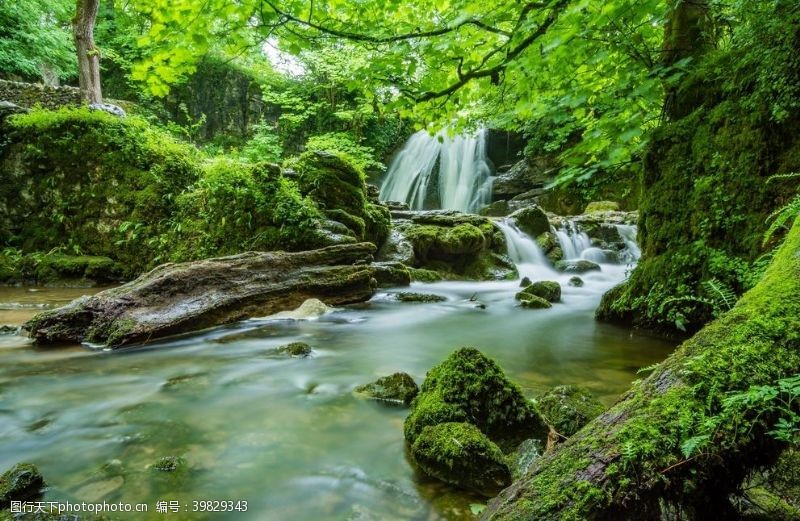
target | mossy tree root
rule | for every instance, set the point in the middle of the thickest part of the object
(631, 462)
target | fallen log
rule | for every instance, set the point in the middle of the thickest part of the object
(634, 461)
(178, 298)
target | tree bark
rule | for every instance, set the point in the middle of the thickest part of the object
(628, 464)
(179, 298)
(88, 54)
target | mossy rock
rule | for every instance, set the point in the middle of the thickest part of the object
(398, 388)
(296, 349)
(462, 455)
(575, 282)
(469, 387)
(525, 282)
(439, 242)
(169, 464)
(495, 209)
(409, 296)
(602, 206)
(423, 275)
(546, 289)
(576, 266)
(567, 408)
(20, 483)
(531, 220)
(526, 300)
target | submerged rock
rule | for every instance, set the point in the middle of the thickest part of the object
(20, 483)
(398, 388)
(298, 349)
(576, 266)
(469, 387)
(545, 289)
(169, 464)
(419, 297)
(462, 455)
(567, 408)
(178, 298)
(576, 282)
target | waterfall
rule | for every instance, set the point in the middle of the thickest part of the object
(463, 174)
(573, 241)
(632, 251)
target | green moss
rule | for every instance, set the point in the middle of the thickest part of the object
(467, 386)
(169, 464)
(20, 483)
(423, 275)
(601, 206)
(53, 267)
(460, 454)
(567, 408)
(397, 388)
(297, 349)
(703, 212)
(526, 300)
(545, 289)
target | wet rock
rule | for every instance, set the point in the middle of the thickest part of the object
(110, 108)
(528, 451)
(398, 388)
(169, 464)
(462, 455)
(22, 482)
(396, 206)
(97, 490)
(533, 302)
(567, 408)
(532, 220)
(469, 387)
(8, 330)
(496, 209)
(546, 289)
(576, 282)
(397, 249)
(423, 275)
(525, 282)
(311, 308)
(549, 244)
(576, 266)
(524, 176)
(297, 349)
(391, 274)
(178, 298)
(419, 297)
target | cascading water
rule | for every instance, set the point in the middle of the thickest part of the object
(463, 174)
(632, 253)
(521, 248)
(573, 241)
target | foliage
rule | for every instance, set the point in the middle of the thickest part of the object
(344, 143)
(35, 39)
(783, 217)
(264, 145)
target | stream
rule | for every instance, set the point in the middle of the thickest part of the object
(286, 434)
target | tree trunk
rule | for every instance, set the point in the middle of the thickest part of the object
(88, 54)
(185, 297)
(687, 34)
(628, 464)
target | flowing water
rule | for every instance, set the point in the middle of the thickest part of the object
(456, 168)
(287, 435)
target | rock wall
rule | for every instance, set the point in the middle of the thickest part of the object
(32, 94)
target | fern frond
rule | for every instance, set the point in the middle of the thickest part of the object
(724, 296)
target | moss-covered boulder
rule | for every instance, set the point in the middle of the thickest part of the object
(97, 183)
(295, 349)
(532, 220)
(462, 455)
(546, 289)
(469, 387)
(567, 408)
(453, 244)
(601, 206)
(576, 282)
(397, 388)
(340, 190)
(20, 483)
(410, 296)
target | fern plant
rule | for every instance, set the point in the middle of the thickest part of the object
(783, 217)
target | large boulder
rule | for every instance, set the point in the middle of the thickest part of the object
(340, 190)
(524, 176)
(460, 454)
(469, 387)
(178, 298)
(450, 243)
